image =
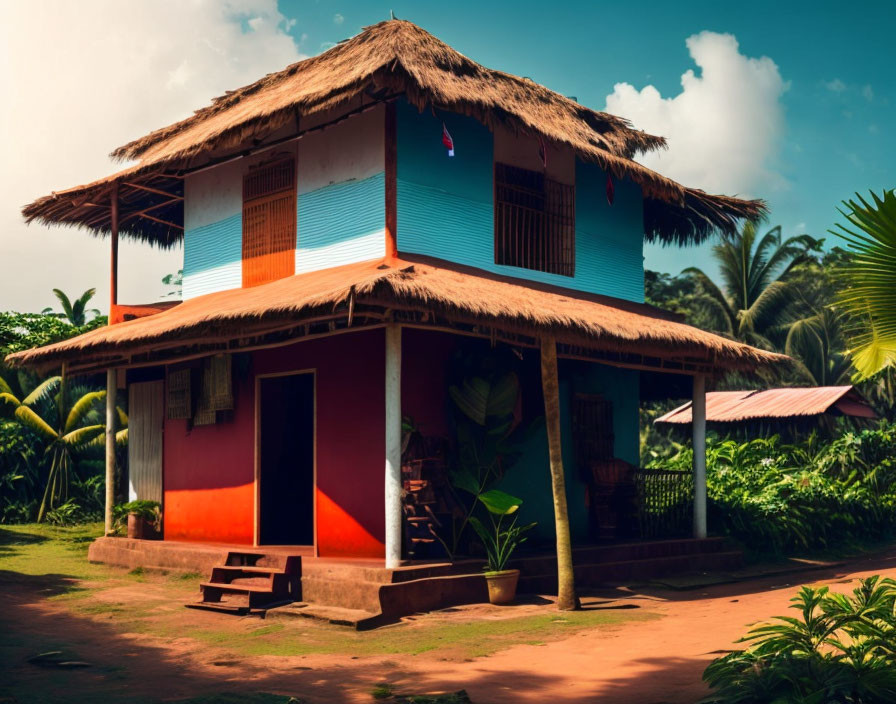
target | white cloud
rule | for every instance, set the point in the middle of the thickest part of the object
(868, 92)
(835, 85)
(723, 128)
(338, 19)
(81, 78)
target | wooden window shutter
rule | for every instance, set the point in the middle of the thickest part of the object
(269, 222)
(535, 221)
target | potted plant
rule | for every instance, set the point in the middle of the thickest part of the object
(500, 540)
(143, 519)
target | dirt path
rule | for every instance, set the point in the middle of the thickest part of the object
(653, 661)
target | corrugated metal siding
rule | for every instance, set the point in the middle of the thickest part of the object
(145, 419)
(213, 257)
(445, 209)
(341, 224)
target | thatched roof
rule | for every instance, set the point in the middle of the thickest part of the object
(386, 60)
(443, 293)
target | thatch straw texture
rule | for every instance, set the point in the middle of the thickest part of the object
(448, 291)
(385, 60)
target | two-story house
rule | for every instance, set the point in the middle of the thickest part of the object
(351, 226)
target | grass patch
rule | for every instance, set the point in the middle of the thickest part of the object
(452, 639)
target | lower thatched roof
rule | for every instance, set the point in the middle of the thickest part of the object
(430, 292)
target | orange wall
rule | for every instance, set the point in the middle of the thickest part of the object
(209, 471)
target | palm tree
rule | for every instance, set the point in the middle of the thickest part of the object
(756, 292)
(65, 428)
(566, 591)
(816, 344)
(74, 311)
(869, 278)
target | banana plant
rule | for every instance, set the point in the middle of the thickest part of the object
(65, 428)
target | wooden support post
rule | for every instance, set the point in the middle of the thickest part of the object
(111, 377)
(698, 429)
(113, 278)
(393, 446)
(391, 168)
(111, 392)
(566, 592)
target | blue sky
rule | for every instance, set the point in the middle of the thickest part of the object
(791, 102)
(837, 61)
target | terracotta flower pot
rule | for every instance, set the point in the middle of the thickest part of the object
(140, 528)
(502, 586)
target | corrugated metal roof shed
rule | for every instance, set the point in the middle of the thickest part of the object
(734, 406)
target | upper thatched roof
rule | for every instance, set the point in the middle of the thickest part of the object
(386, 60)
(442, 292)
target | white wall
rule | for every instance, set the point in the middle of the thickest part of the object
(523, 152)
(349, 151)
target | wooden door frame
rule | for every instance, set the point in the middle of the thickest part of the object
(257, 443)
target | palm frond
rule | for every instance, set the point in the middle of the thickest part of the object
(870, 279)
(42, 390)
(81, 407)
(66, 304)
(27, 417)
(769, 306)
(83, 436)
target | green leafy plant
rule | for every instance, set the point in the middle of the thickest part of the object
(500, 538)
(484, 399)
(75, 312)
(778, 497)
(65, 423)
(869, 279)
(68, 514)
(839, 648)
(150, 511)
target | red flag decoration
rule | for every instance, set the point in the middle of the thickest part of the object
(542, 152)
(611, 190)
(447, 141)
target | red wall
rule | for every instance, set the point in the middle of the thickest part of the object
(209, 471)
(425, 356)
(209, 476)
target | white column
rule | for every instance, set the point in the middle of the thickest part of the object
(698, 428)
(393, 446)
(111, 389)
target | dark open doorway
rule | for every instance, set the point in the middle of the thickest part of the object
(286, 459)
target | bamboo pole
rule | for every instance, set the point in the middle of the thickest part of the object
(566, 592)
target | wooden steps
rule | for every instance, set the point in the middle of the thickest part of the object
(251, 582)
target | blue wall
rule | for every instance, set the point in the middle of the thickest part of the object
(445, 208)
(530, 477)
(213, 257)
(341, 224)
(337, 224)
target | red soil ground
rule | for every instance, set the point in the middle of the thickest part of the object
(646, 662)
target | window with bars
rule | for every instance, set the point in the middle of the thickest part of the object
(269, 222)
(592, 430)
(535, 221)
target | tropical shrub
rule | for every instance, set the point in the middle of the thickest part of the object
(777, 497)
(499, 538)
(840, 648)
